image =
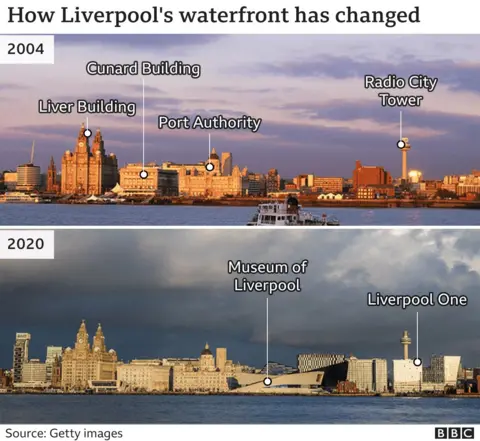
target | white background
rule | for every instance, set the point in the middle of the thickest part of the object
(22, 239)
(47, 42)
(245, 432)
(459, 17)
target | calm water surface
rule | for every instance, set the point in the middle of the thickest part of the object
(44, 409)
(117, 215)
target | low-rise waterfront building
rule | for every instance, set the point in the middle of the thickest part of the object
(205, 378)
(154, 181)
(144, 375)
(34, 371)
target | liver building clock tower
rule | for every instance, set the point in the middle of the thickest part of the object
(84, 363)
(88, 171)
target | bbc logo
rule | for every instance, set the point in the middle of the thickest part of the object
(454, 433)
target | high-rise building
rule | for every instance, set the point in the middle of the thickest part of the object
(368, 375)
(310, 362)
(256, 184)
(28, 177)
(221, 360)
(54, 355)
(20, 355)
(442, 372)
(84, 363)
(273, 181)
(227, 163)
(52, 184)
(364, 175)
(88, 170)
(406, 376)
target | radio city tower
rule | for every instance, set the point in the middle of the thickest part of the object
(405, 341)
(404, 146)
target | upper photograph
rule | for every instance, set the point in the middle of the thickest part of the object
(242, 130)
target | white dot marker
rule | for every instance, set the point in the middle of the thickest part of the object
(143, 174)
(417, 362)
(209, 167)
(267, 381)
(401, 144)
(87, 133)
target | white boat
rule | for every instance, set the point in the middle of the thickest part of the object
(289, 213)
(16, 197)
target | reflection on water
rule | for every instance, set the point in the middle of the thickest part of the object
(92, 215)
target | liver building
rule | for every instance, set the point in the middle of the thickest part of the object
(88, 170)
(84, 363)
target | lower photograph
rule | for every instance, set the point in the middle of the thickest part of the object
(190, 327)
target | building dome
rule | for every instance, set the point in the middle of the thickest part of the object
(213, 155)
(206, 350)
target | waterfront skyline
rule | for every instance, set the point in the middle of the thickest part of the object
(310, 96)
(162, 293)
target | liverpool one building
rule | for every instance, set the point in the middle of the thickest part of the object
(88, 170)
(86, 363)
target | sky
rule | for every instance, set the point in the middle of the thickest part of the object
(308, 90)
(165, 293)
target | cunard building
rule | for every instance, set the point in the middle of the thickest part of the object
(88, 170)
(84, 363)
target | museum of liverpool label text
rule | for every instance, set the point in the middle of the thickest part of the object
(404, 301)
(270, 287)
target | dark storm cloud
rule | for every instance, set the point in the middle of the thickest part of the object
(134, 41)
(458, 76)
(160, 293)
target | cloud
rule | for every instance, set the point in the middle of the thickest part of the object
(135, 41)
(456, 75)
(11, 86)
(159, 293)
